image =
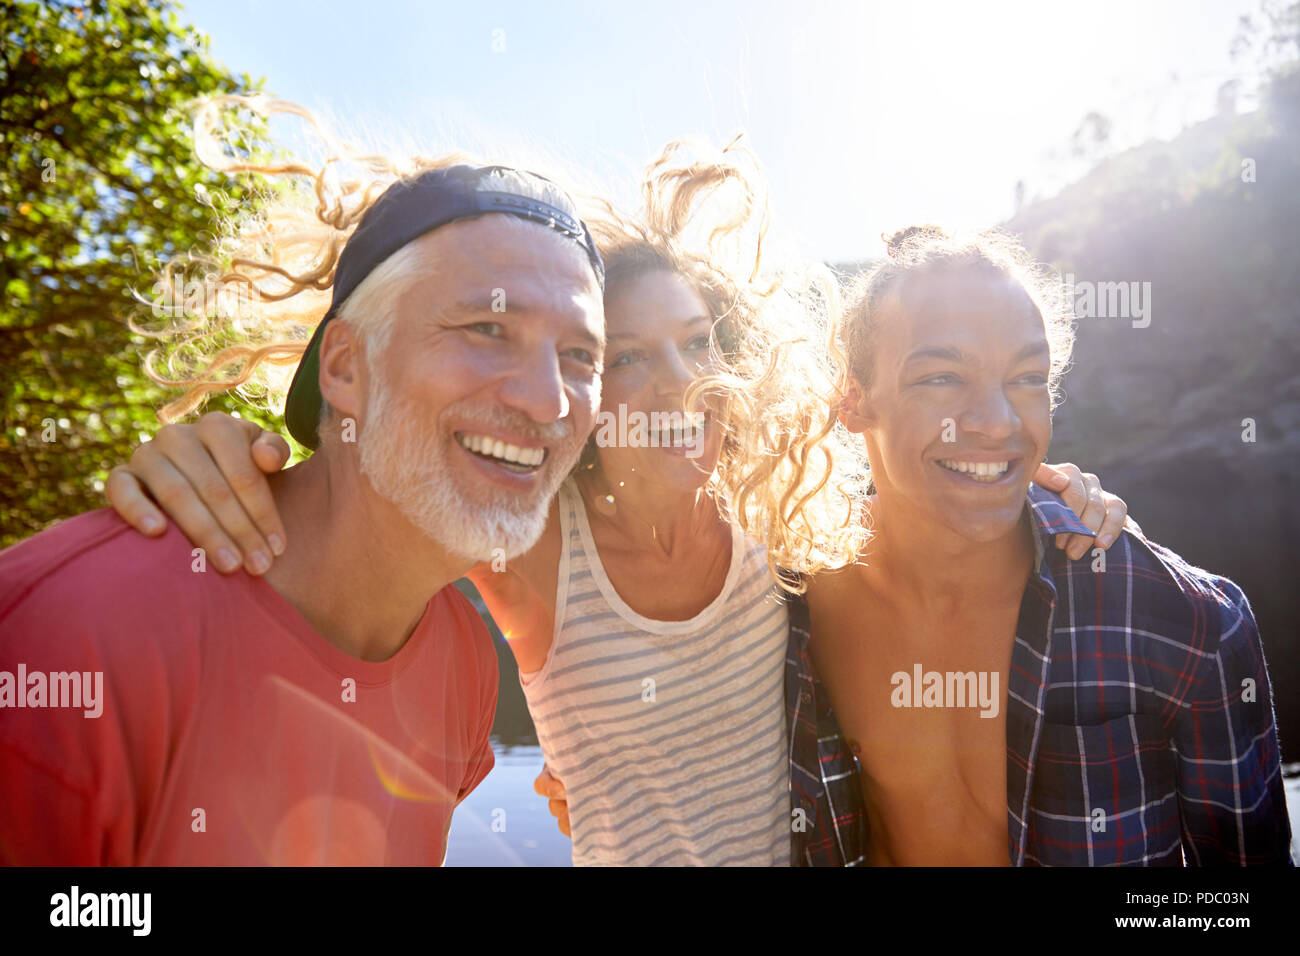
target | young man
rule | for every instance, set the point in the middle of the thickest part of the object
(1009, 704)
(335, 711)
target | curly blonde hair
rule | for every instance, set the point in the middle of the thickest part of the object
(265, 283)
(781, 475)
(237, 316)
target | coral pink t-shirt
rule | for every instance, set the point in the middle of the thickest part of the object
(229, 731)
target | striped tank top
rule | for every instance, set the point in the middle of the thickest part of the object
(669, 736)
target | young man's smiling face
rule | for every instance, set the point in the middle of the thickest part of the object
(956, 412)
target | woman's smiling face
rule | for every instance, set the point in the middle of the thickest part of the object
(658, 330)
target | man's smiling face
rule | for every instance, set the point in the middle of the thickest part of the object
(481, 400)
(957, 410)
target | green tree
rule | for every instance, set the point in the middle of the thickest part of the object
(100, 184)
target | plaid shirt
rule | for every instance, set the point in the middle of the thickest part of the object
(1130, 738)
(831, 830)
(1139, 712)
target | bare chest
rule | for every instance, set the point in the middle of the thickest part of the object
(924, 707)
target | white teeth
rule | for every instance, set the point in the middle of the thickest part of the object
(495, 448)
(676, 436)
(979, 470)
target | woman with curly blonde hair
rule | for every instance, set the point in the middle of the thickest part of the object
(649, 633)
(648, 623)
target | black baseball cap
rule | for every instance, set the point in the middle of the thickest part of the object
(407, 210)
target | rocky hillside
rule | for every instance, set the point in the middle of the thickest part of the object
(1165, 413)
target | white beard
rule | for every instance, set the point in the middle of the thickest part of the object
(408, 466)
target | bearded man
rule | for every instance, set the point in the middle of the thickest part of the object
(336, 710)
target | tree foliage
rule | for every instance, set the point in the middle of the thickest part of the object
(100, 185)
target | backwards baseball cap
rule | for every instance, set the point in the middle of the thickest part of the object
(407, 210)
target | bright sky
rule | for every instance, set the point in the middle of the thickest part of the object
(867, 116)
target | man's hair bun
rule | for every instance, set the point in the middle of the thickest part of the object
(899, 242)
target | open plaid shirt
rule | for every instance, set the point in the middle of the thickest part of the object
(1139, 712)
(831, 830)
(1139, 719)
